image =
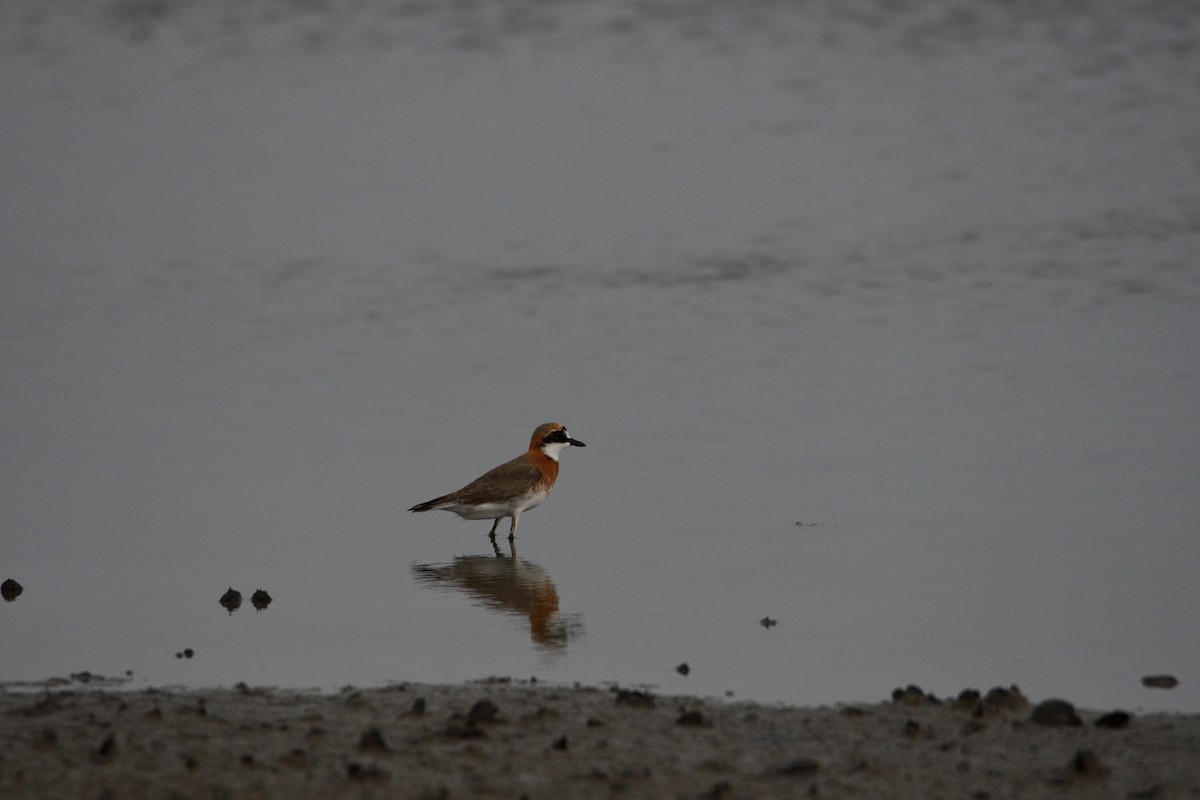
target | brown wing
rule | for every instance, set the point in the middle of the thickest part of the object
(498, 483)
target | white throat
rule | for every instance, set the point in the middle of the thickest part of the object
(552, 449)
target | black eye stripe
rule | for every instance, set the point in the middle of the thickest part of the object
(556, 436)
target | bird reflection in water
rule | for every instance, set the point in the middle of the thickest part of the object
(510, 585)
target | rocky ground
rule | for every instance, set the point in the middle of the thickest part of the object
(501, 739)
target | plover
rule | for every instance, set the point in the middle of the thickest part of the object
(513, 487)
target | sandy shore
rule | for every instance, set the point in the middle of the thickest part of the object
(506, 740)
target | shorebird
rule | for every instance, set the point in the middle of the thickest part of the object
(512, 487)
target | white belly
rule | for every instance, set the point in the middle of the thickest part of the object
(506, 508)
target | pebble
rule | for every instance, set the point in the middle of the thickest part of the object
(372, 740)
(1055, 712)
(10, 590)
(1160, 681)
(801, 766)
(1113, 719)
(634, 698)
(231, 600)
(1087, 763)
(483, 711)
(912, 695)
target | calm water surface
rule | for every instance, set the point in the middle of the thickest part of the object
(885, 337)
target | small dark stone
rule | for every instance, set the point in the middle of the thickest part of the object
(967, 700)
(683, 669)
(1113, 719)
(1086, 762)
(418, 707)
(358, 772)
(107, 748)
(260, 599)
(768, 623)
(801, 766)
(188, 652)
(10, 590)
(912, 728)
(913, 695)
(1055, 712)
(1160, 681)
(189, 761)
(635, 698)
(247, 760)
(178, 655)
(560, 743)
(483, 711)
(1001, 699)
(231, 600)
(467, 730)
(719, 789)
(693, 719)
(372, 740)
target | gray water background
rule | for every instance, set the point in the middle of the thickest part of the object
(878, 319)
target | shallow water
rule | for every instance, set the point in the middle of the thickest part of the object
(880, 325)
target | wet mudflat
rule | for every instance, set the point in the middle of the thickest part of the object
(507, 740)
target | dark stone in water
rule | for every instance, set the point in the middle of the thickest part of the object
(1160, 681)
(10, 590)
(1055, 712)
(683, 669)
(768, 623)
(693, 719)
(231, 600)
(260, 599)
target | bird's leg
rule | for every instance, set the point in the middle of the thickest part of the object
(492, 532)
(496, 548)
(512, 532)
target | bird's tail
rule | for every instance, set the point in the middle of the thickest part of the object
(429, 505)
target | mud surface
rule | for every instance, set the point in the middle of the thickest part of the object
(505, 740)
